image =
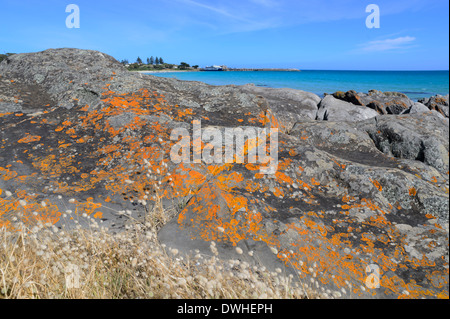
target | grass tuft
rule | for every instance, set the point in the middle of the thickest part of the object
(46, 262)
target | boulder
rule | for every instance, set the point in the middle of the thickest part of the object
(393, 102)
(417, 108)
(438, 103)
(420, 136)
(349, 96)
(332, 109)
(382, 102)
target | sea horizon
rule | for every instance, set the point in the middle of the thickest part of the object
(375, 70)
(415, 84)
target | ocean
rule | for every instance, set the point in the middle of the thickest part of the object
(415, 84)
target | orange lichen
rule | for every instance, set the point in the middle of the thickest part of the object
(29, 139)
(226, 202)
(377, 184)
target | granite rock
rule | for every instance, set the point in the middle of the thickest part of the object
(353, 191)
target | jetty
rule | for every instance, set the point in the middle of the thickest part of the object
(225, 68)
(264, 69)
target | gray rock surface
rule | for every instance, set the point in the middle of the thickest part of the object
(437, 103)
(78, 80)
(382, 102)
(332, 109)
(392, 102)
(417, 108)
(422, 137)
(289, 105)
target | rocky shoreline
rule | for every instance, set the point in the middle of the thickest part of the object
(358, 207)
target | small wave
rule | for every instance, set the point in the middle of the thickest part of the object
(414, 92)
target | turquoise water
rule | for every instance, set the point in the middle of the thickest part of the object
(415, 84)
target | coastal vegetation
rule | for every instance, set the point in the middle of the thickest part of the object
(156, 64)
(46, 262)
(4, 56)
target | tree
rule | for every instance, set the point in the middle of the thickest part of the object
(195, 67)
(161, 61)
(4, 56)
(157, 61)
(139, 60)
(124, 62)
(184, 66)
(152, 60)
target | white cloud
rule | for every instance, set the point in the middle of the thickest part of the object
(388, 44)
(217, 10)
(235, 19)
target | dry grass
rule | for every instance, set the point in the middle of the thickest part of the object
(47, 262)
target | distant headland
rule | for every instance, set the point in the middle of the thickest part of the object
(158, 65)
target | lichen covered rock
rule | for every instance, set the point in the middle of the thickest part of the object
(357, 208)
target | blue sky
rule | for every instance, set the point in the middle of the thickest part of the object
(306, 34)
